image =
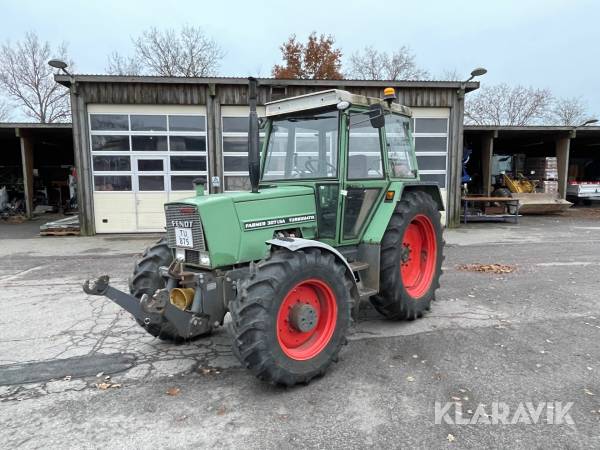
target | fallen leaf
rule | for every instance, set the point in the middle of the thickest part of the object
(451, 438)
(116, 385)
(103, 386)
(488, 268)
(221, 410)
(173, 391)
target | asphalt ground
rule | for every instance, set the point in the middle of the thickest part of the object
(527, 336)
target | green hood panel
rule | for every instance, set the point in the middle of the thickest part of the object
(237, 224)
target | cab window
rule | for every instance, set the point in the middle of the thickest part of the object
(398, 137)
(364, 149)
(302, 147)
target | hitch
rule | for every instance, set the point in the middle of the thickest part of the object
(155, 309)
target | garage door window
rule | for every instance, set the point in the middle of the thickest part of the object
(112, 183)
(431, 148)
(124, 144)
(235, 152)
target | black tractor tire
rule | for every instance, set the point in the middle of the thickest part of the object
(395, 300)
(146, 280)
(505, 192)
(502, 192)
(257, 324)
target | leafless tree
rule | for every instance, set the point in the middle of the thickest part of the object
(568, 112)
(371, 64)
(118, 64)
(5, 111)
(451, 75)
(188, 53)
(502, 104)
(29, 82)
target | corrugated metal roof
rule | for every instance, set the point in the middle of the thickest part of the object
(91, 78)
(35, 125)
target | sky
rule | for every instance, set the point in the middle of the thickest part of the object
(546, 44)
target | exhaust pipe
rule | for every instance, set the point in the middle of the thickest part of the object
(253, 138)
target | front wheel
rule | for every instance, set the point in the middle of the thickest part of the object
(291, 315)
(411, 258)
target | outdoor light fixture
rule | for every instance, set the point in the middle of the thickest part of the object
(59, 64)
(477, 72)
(587, 122)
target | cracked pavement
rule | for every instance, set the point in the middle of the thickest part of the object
(527, 335)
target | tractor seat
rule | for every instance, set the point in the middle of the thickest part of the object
(357, 167)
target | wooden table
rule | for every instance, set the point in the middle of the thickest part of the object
(472, 199)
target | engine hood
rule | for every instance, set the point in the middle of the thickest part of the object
(237, 224)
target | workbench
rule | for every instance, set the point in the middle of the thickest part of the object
(472, 199)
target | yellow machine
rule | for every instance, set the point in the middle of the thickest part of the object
(520, 185)
(531, 202)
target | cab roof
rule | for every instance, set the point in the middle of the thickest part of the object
(327, 98)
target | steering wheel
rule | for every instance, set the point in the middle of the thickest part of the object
(312, 169)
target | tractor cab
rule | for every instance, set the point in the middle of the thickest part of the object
(349, 148)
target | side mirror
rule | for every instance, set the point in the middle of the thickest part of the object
(376, 116)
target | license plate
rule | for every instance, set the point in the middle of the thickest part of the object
(183, 237)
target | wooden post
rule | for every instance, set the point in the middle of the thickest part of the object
(85, 182)
(455, 153)
(27, 163)
(563, 145)
(487, 150)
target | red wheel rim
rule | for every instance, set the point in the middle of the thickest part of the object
(303, 345)
(418, 258)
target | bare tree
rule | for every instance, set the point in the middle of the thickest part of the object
(502, 104)
(118, 64)
(29, 81)
(568, 111)
(451, 75)
(371, 64)
(5, 111)
(188, 53)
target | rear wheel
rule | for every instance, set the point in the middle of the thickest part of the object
(411, 258)
(291, 315)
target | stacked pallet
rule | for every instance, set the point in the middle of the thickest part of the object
(545, 169)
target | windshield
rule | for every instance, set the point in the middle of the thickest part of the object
(302, 147)
(397, 131)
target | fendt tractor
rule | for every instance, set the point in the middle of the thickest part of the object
(336, 215)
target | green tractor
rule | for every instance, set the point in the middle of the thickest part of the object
(336, 215)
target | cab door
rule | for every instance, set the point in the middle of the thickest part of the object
(364, 181)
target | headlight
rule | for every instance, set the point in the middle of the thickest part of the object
(204, 259)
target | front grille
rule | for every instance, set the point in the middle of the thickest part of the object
(192, 257)
(183, 212)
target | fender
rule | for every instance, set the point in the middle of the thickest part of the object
(294, 244)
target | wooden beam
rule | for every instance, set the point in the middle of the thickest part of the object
(487, 150)
(563, 145)
(27, 163)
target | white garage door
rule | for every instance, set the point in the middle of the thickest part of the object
(142, 157)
